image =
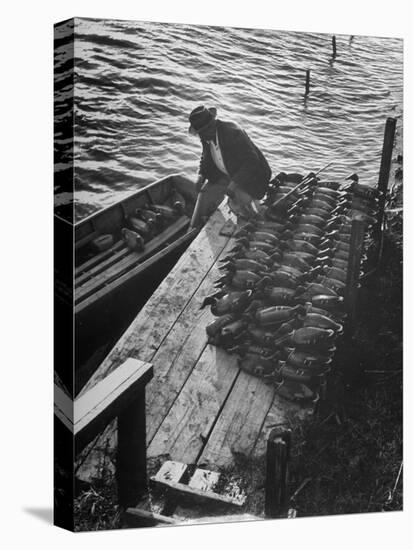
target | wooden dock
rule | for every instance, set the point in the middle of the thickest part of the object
(200, 407)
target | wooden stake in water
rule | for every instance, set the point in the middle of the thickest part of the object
(307, 82)
(334, 46)
(385, 165)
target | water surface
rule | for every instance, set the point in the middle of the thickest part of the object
(136, 82)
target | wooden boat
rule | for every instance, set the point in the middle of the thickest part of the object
(111, 279)
(100, 273)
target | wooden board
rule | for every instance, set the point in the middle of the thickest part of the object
(172, 372)
(157, 318)
(203, 480)
(186, 428)
(238, 426)
(109, 260)
(102, 403)
(171, 470)
(179, 353)
(197, 493)
(98, 258)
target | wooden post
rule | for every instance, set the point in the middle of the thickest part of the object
(307, 82)
(353, 270)
(334, 46)
(131, 454)
(385, 165)
(278, 456)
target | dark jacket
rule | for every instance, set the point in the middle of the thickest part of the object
(245, 163)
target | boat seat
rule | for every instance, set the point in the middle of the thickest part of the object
(98, 258)
(102, 265)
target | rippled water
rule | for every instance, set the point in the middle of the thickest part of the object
(135, 84)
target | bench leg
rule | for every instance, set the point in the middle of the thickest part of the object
(131, 455)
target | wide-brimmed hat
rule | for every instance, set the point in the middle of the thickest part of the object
(200, 118)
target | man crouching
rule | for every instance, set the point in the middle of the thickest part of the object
(230, 162)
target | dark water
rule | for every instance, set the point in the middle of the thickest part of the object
(135, 84)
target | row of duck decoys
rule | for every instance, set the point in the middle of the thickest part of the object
(279, 302)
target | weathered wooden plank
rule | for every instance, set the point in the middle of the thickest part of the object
(155, 321)
(171, 470)
(239, 424)
(102, 403)
(173, 366)
(98, 258)
(385, 166)
(198, 493)
(204, 480)
(100, 266)
(89, 287)
(179, 353)
(186, 428)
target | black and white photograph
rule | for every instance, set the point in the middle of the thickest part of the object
(228, 253)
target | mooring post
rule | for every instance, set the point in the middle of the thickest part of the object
(131, 453)
(334, 46)
(385, 165)
(353, 270)
(307, 82)
(278, 456)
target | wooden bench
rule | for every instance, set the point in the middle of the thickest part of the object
(120, 395)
